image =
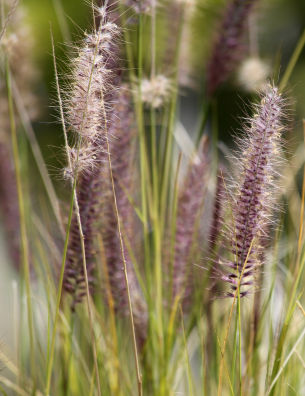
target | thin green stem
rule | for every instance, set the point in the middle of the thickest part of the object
(154, 164)
(23, 231)
(167, 161)
(49, 322)
(143, 167)
(189, 373)
(285, 362)
(45, 177)
(293, 60)
(62, 21)
(70, 353)
(156, 232)
(128, 46)
(234, 351)
(153, 39)
(169, 139)
(8, 18)
(173, 231)
(204, 117)
(239, 342)
(3, 391)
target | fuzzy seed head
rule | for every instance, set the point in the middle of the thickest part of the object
(253, 74)
(229, 46)
(74, 277)
(122, 132)
(87, 102)
(190, 201)
(156, 92)
(88, 108)
(252, 197)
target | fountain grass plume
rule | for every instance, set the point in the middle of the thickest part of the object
(74, 279)
(252, 198)
(91, 89)
(122, 133)
(190, 201)
(155, 92)
(89, 107)
(229, 46)
(121, 136)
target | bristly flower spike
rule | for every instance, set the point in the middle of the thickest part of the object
(156, 91)
(122, 148)
(229, 47)
(92, 83)
(253, 74)
(89, 109)
(190, 201)
(252, 198)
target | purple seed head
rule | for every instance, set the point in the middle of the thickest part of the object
(190, 201)
(252, 197)
(229, 45)
(74, 278)
(122, 134)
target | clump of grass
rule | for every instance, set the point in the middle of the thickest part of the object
(137, 232)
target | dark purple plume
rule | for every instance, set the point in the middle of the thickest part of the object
(190, 202)
(122, 133)
(74, 278)
(229, 46)
(252, 196)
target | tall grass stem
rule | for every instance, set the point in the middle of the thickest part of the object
(293, 60)
(239, 342)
